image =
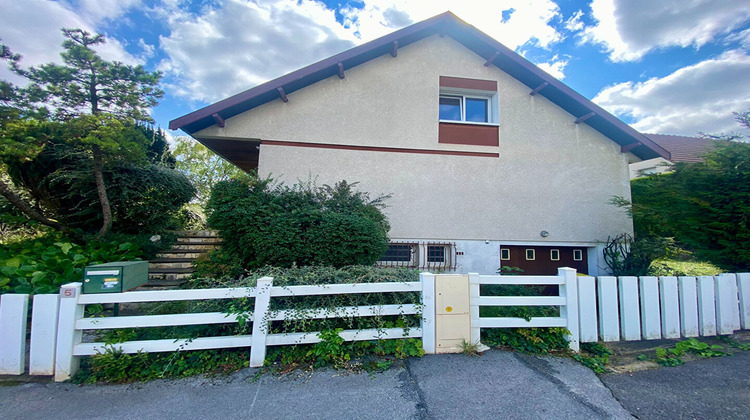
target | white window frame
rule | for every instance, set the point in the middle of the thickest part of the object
(579, 253)
(552, 253)
(463, 94)
(501, 254)
(533, 254)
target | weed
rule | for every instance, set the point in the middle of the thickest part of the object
(469, 349)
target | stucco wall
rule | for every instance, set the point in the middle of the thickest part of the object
(551, 175)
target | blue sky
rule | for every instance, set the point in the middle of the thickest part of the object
(663, 66)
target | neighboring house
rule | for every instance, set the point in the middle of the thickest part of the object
(490, 161)
(681, 148)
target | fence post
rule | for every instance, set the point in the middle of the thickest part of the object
(428, 312)
(66, 364)
(260, 321)
(569, 290)
(727, 309)
(743, 281)
(43, 334)
(13, 312)
(474, 293)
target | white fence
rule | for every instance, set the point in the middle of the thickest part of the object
(592, 309)
(567, 301)
(60, 347)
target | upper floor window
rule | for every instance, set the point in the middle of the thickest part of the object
(464, 108)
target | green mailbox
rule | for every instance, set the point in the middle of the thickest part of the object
(114, 277)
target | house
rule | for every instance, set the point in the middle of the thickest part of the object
(490, 161)
(681, 148)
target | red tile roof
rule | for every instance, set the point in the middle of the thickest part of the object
(683, 148)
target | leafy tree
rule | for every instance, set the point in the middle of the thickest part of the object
(203, 167)
(97, 96)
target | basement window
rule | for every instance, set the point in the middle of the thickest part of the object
(505, 254)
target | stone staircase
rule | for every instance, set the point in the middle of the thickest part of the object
(173, 266)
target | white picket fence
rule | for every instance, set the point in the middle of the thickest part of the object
(592, 309)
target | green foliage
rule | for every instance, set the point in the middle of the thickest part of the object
(668, 267)
(272, 224)
(114, 366)
(594, 356)
(673, 356)
(203, 167)
(145, 195)
(527, 340)
(704, 206)
(98, 102)
(44, 264)
(86, 83)
(626, 256)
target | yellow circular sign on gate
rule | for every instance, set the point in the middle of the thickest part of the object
(448, 309)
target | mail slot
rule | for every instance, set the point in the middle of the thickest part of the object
(115, 277)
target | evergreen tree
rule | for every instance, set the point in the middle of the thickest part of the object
(101, 96)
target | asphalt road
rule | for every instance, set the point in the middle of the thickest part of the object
(495, 385)
(717, 388)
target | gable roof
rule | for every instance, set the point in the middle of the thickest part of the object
(470, 37)
(683, 148)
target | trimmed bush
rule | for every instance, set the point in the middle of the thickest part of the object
(264, 223)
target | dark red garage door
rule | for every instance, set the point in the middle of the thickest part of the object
(543, 260)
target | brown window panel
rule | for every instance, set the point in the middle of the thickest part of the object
(470, 134)
(461, 83)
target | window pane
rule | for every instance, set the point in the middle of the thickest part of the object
(450, 108)
(476, 110)
(436, 254)
(397, 253)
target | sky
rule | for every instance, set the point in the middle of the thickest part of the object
(663, 66)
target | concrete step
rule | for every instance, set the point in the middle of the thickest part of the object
(162, 284)
(169, 264)
(197, 233)
(188, 271)
(198, 240)
(179, 254)
(194, 247)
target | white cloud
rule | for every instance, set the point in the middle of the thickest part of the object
(236, 44)
(696, 98)
(529, 21)
(555, 68)
(239, 44)
(34, 32)
(628, 29)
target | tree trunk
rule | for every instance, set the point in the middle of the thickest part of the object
(29, 211)
(102, 191)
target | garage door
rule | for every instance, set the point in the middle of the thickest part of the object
(543, 260)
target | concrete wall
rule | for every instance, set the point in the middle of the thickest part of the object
(551, 174)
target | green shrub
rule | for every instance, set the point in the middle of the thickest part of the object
(666, 267)
(262, 223)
